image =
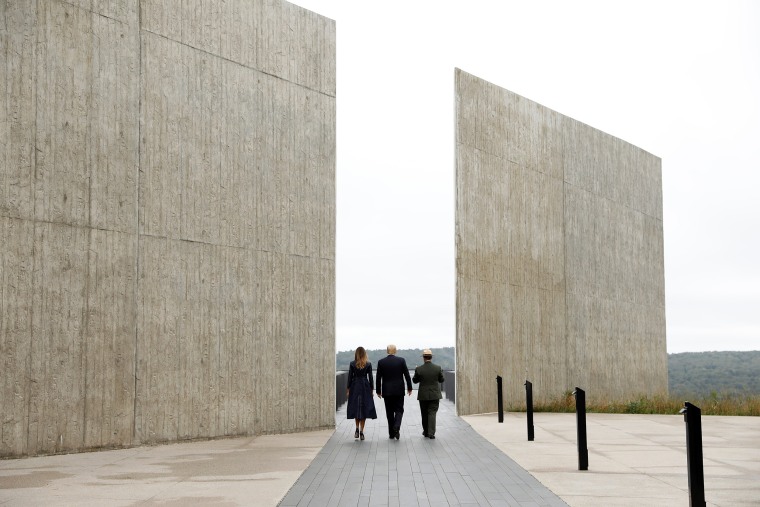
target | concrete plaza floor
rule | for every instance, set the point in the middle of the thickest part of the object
(233, 471)
(633, 460)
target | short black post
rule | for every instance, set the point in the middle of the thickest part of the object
(529, 407)
(580, 415)
(692, 415)
(500, 398)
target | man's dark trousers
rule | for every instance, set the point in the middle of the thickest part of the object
(428, 411)
(394, 411)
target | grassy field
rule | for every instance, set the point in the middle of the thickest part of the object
(712, 405)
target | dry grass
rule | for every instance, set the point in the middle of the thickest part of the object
(715, 404)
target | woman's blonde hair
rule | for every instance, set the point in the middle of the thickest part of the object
(360, 356)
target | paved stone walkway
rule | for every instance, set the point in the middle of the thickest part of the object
(459, 467)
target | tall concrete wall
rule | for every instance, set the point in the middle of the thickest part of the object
(167, 216)
(559, 241)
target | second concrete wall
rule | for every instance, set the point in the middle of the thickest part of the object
(559, 239)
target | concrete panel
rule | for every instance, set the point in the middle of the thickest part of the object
(110, 333)
(239, 340)
(611, 168)
(63, 105)
(58, 354)
(16, 282)
(159, 316)
(516, 268)
(17, 109)
(86, 116)
(202, 327)
(163, 95)
(225, 192)
(114, 123)
(559, 255)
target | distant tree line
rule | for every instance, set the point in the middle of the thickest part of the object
(714, 373)
(696, 374)
(443, 356)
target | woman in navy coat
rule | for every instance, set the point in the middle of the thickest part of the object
(361, 406)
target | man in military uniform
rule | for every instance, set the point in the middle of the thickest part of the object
(429, 376)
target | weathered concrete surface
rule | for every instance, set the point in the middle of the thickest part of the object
(559, 255)
(167, 215)
(236, 471)
(634, 459)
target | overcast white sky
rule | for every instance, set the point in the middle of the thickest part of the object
(679, 79)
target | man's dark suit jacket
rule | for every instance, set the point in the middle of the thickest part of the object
(391, 372)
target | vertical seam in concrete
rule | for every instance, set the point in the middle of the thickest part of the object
(218, 374)
(88, 161)
(187, 78)
(136, 285)
(564, 258)
(34, 226)
(83, 333)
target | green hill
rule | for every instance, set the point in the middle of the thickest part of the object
(695, 374)
(708, 373)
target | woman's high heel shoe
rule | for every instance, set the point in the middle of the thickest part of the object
(356, 433)
(361, 435)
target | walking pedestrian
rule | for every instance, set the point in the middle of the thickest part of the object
(361, 405)
(391, 373)
(429, 376)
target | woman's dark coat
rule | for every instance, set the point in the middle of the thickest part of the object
(360, 390)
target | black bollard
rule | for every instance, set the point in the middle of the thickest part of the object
(580, 415)
(692, 415)
(529, 407)
(500, 399)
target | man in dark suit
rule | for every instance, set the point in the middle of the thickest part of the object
(391, 373)
(429, 376)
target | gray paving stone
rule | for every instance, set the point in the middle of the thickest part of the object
(459, 467)
(409, 501)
